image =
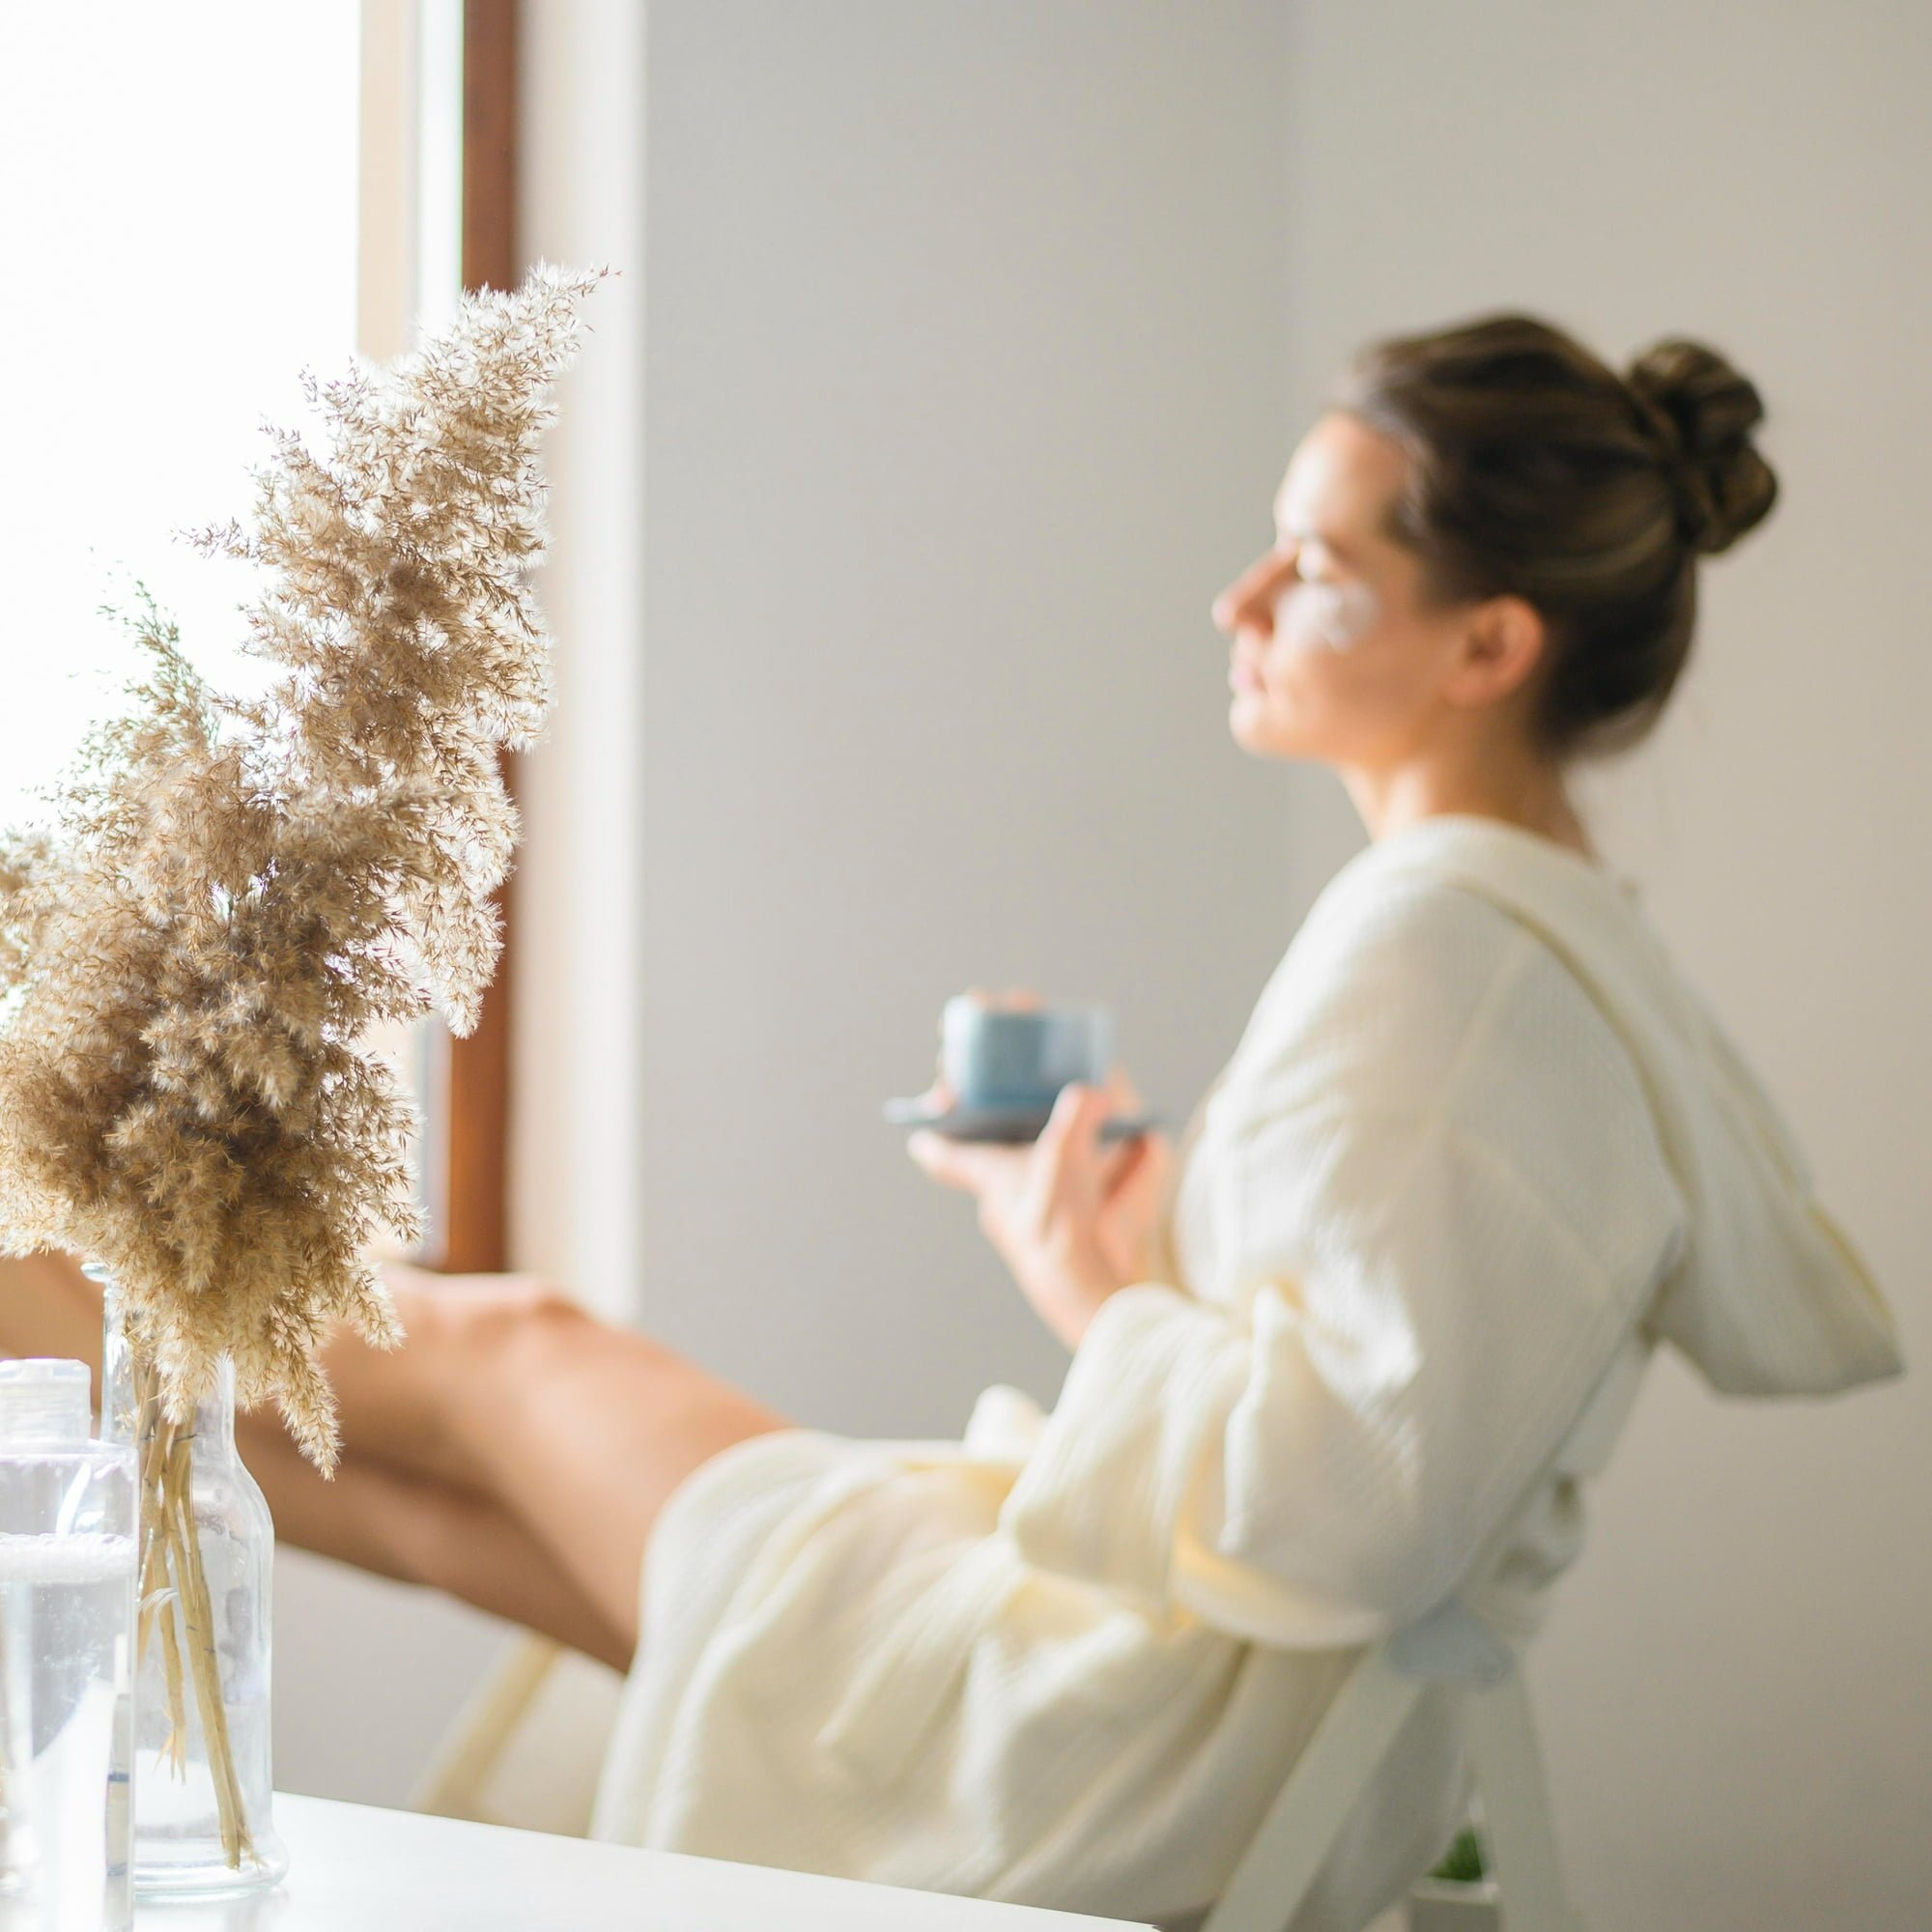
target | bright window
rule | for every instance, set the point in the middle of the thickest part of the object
(181, 238)
(199, 204)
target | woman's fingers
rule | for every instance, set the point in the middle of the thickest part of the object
(1070, 1105)
(1072, 1130)
(935, 1155)
(1131, 1208)
(1140, 1173)
(957, 1163)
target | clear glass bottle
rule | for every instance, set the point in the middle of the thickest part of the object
(203, 1781)
(66, 1634)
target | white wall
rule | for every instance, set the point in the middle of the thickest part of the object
(576, 1096)
(965, 395)
(1737, 1681)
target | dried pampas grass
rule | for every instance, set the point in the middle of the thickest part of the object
(234, 891)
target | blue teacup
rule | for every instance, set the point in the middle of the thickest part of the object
(1000, 1059)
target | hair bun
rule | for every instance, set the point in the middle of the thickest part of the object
(1701, 411)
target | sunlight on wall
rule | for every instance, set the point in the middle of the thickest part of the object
(186, 248)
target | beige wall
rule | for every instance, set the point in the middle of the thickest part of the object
(1737, 1682)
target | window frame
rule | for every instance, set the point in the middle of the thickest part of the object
(467, 1107)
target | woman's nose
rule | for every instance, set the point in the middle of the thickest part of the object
(1252, 594)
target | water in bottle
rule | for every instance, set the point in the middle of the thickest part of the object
(66, 1615)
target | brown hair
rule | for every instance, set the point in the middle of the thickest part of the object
(1536, 471)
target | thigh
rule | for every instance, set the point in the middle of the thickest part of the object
(580, 1428)
(604, 1437)
(422, 1531)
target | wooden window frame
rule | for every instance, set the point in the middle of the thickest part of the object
(470, 1083)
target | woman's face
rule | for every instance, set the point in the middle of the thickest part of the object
(1333, 657)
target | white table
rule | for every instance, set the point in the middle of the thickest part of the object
(355, 1869)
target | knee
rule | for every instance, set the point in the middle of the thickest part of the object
(511, 1299)
(528, 1318)
(469, 1325)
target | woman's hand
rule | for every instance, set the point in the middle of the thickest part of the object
(1069, 1218)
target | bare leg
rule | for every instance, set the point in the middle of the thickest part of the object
(380, 1518)
(581, 1430)
(47, 1307)
(506, 1399)
(428, 1533)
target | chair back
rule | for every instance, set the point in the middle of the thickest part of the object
(1452, 1645)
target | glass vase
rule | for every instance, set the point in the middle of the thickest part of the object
(203, 1785)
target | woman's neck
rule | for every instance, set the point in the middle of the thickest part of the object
(1532, 798)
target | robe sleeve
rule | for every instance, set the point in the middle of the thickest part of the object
(1437, 1205)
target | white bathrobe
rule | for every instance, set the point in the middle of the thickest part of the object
(1477, 1135)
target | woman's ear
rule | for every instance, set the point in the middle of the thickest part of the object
(1499, 651)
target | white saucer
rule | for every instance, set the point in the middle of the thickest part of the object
(992, 1123)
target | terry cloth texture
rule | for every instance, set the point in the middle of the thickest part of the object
(1478, 1138)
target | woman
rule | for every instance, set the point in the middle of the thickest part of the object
(1477, 1139)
